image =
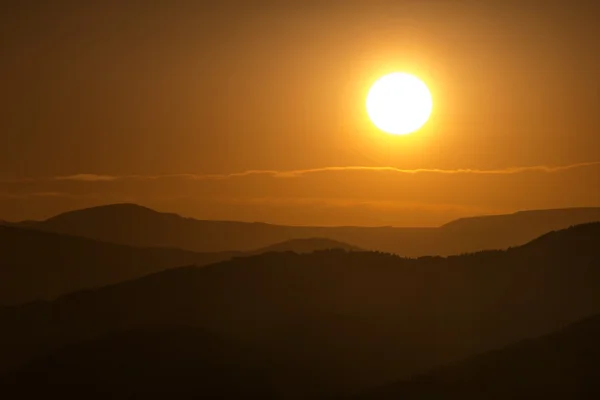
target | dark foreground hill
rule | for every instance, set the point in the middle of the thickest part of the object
(37, 265)
(139, 226)
(343, 321)
(562, 365)
(167, 362)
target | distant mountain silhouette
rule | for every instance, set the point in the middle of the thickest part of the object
(301, 246)
(6, 223)
(167, 362)
(139, 226)
(38, 265)
(503, 231)
(343, 321)
(562, 365)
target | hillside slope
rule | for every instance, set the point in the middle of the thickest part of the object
(305, 246)
(37, 265)
(349, 320)
(139, 226)
(562, 365)
(150, 363)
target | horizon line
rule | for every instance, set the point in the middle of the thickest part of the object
(283, 174)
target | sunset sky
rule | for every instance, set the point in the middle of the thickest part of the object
(255, 110)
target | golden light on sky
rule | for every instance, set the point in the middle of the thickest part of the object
(165, 94)
(399, 103)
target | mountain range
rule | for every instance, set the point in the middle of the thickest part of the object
(38, 265)
(158, 362)
(561, 365)
(342, 322)
(181, 362)
(83, 249)
(139, 226)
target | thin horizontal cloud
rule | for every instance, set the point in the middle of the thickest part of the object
(504, 171)
(112, 178)
(303, 172)
(347, 202)
(48, 194)
(33, 195)
(17, 180)
(89, 178)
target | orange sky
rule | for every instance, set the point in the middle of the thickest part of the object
(130, 92)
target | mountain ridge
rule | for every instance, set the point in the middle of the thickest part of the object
(352, 320)
(306, 245)
(40, 265)
(561, 364)
(143, 227)
(154, 362)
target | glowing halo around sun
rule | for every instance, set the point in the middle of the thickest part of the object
(399, 103)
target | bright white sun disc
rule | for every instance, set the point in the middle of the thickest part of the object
(399, 103)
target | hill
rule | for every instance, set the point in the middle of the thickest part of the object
(503, 231)
(305, 246)
(139, 226)
(37, 265)
(150, 363)
(562, 365)
(343, 321)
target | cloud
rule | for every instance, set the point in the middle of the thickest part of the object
(48, 194)
(381, 204)
(303, 172)
(504, 171)
(89, 178)
(34, 195)
(86, 177)
(17, 180)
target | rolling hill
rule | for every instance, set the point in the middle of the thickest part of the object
(301, 246)
(37, 265)
(139, 226)
(344, 321)
(151, 363)
(561, 365)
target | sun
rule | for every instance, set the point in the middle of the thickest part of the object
(399, 103)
